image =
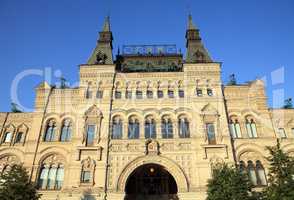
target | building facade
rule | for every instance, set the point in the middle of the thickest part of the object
(148, 124)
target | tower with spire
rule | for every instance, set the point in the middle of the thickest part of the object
(196, 52)
(102, 53)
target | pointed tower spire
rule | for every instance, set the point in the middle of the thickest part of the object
(196, 52)
(102, 54)
(191, 25)
(106, 27)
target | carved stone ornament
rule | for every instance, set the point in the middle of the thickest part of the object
(152, 147)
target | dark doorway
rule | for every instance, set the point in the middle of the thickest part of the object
(151, 182)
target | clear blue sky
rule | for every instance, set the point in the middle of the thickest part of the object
(252, 38)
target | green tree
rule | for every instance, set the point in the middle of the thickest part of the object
(15, 185)
(281, 175)
(229, 183)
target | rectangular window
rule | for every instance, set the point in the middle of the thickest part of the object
(292, 132)
(282, 133)
(210, 133)
(99, 94)
(170, 94)
(117, 94)
(181, 93)
(90, 135)
(18, 138)
(149, 94)
(159, 94)
(232, 130)
(88, 94)
(86, 176)
(199, 92)
(139, 94)
(209, 92)
(128, 94)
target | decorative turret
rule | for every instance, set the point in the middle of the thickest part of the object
(102, 54)
(196, 52)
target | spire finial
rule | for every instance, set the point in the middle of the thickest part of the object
(191, 26)
(106, 27)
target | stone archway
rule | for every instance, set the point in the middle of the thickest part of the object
(151, 181)
(170, 166)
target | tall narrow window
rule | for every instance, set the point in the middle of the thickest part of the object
(261, 174)
(133, 128)
(159, 94)
(199, 92)
(252, 172)
(251, 128)
(52, 178)
(99, 94)
(139, 94)
(128, 94)
(90, 135)
(86, 176)
(292, 132)
(50, 131)
(170, 93)
(282, 133)
(150, 128)
(149, 94)
(183, 127)
(181, 93)
(43, 179)
(235, 129)
(7, 137)
(89, 94)
(66, 131)
(210, 133)
(117, 128)
(117, 94)
(19, 137)
(167, 128)
(59, 177)
(242, 167)
(209, 92)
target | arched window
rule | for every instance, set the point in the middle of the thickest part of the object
(19, 137)
(150, 128)
(49, 135)
(252, 172)
(133, 128)
(117, 127)
(87, 173)
(7, 137)
(261, 174)
(6, 162)
(183, 127)
(235, 128)
(166, 127)
(51, 173)
(66, 130)
(251, 128)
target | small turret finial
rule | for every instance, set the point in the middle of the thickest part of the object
(191, 26)
(106, 27)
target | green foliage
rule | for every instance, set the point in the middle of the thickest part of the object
(229, 183)
(15, 185)
(281, 175)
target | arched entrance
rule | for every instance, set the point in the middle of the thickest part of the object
(151, 182)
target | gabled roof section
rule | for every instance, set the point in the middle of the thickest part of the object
(102, 53)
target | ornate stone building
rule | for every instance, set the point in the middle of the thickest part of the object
(146, 125)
